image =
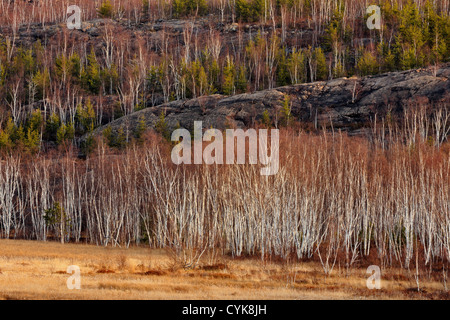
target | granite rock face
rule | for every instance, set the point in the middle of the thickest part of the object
(348, 104)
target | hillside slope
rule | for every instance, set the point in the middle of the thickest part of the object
(345, 103)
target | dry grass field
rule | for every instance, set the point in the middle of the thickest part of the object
(37, 270)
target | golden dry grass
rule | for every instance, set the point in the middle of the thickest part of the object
(37, 270)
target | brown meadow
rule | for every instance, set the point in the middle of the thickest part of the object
(37, 270)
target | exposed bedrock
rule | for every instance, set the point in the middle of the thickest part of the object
(346, 103)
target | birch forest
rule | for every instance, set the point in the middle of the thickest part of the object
(337, 198)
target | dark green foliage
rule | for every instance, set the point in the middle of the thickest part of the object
(75, 66)
(367, 64)
(56, 217)
(189, 7)
(106, 10)
(214, 74)
(197, 80)
(24, 63)
(161, 126)
(31, 142)
(266, 121)
(65, 133)
(282, 69)
(51, 127)
(286, 111)
(91, 77)
(41, 80)
(319, 61)
(6, 134)
(228, 75)
(141, 128)
(241, 82)
(85, 117)
(88, 145)
(108, 136)
(249, 10)
(35, 121)
(26, 139)
(115, 139)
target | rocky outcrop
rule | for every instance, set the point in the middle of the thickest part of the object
(345, 103)
(92, 32)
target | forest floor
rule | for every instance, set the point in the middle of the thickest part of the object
(38, 270)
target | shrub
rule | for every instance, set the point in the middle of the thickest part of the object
(286, 111)
(85, 117)
(140, 129)
(90, 77)
(51, 127)
(189, 7)
(161, 126)
(249, 11)
(106, 10)
(367, 64)
(65, 133)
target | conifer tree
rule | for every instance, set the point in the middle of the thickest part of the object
(228, 75)
(241, 82)
(91, 75)
(320, 63)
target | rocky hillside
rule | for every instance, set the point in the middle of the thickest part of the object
(346, 103)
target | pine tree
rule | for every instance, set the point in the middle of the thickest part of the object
(214, 74)
(296, 66)
(3, 73)
(367, 64)
(320, 63)
(241, 83)
(243, 10)
(51, 127)
(61, 66)
(161, 126)
(75, 66)
(189, 7)
(408, 58)
(282, 68)
(6, 142)
(121, 140)
(411, 36)
(339, 69)
(228, 75)
(85, 117)
(106, 10)
(42, 82)
(35, 121)
(32, 141)
(266, 121)
(286, 111)
(91, 76)
(204, 86)
(108, 136)
(140, 129)
(110, 78)
(249, 10)
(65, 133)
(56, 217)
